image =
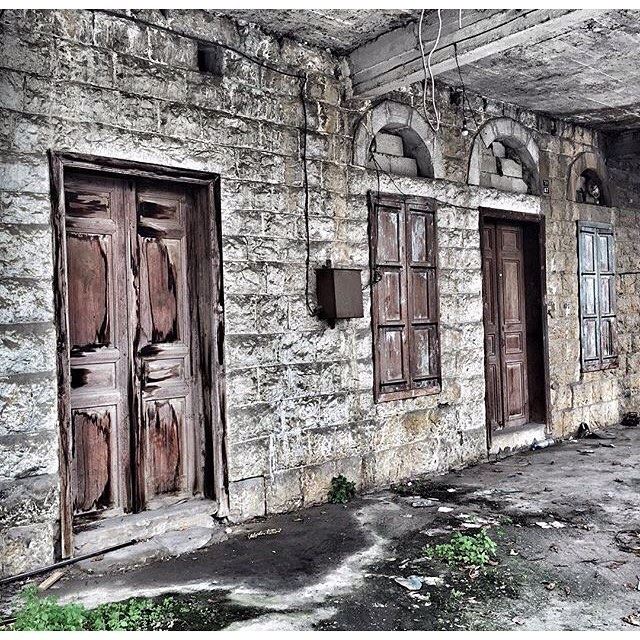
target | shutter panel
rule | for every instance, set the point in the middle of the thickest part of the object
(424, 351)
(390, 298)
(404, 297)
(607, 297)
(596, 261)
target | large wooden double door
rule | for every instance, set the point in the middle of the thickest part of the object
(507, 395)
(139, 306)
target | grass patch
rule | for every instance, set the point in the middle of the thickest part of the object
(341, 490)
(37, 613)
(465, 550)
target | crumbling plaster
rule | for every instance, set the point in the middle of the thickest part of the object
(300, 402)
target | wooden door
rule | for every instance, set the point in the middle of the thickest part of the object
(135, 444)
(504, 294)
(162, 377)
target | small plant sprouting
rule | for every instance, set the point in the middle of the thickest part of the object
(342, 490)
(465, 550)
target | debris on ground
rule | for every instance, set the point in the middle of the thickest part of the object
(555, 524)
(543, 444)
(629, 541)
(433, 581)
(633, 619)
(51, 579)
(445, 509)
(424, 502)
(263, 532)
(630, 419)
(412, 583)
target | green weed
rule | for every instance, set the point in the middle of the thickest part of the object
(466, 550)
(342, 490)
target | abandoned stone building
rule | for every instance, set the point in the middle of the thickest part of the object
(243, 252)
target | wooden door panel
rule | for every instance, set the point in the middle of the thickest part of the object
(511, 287)
(165, 443)
(98, 343)
(163, 368)
(89, 291)
(493, 374)
(93, 443)
(512, 324)
(504, 293)
(515, 378)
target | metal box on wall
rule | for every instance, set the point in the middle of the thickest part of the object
(339, 293)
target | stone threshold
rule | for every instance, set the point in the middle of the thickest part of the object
(509, 441)
(166, 531)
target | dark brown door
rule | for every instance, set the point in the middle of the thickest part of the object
(505, 326)
(133, 395)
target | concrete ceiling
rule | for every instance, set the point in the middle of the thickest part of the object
(589, 74)
(340, 30)
(583, 67)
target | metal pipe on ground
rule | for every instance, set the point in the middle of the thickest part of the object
(63, 563)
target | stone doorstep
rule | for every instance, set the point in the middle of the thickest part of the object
(517, 439)
(170, 530)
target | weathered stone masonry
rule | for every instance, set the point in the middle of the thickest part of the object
(300, 402)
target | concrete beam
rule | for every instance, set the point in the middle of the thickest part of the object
(393, 60)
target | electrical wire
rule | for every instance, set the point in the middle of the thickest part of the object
(302, 77)
(305, 181)
(426, 66)
(464, 89)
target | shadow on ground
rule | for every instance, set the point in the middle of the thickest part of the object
(566, 520)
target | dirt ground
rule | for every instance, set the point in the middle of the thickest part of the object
(566, 520)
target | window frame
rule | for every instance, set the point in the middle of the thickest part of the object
(403, 202)
(602, 363)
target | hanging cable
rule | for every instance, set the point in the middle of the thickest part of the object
(305, 184)
(464, 90)
(426, 66)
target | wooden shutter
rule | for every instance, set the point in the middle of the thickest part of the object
(596, 259)
(404, 297)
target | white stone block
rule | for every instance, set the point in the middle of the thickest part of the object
(511, 168)
(389, 144)
(498, 149)
(506, 183)
(396, 165)
(488, 164)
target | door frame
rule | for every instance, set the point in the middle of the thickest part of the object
(215, 471)
(539, 221)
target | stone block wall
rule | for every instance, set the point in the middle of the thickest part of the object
(300, 402)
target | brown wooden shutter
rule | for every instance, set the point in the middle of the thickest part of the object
(596, 259)
(404, 297)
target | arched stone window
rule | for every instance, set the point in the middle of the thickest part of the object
(396, 139)
(588, 180)
(505, 156)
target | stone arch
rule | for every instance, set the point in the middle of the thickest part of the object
(400, 119)
(513, 135)
(588, 164)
